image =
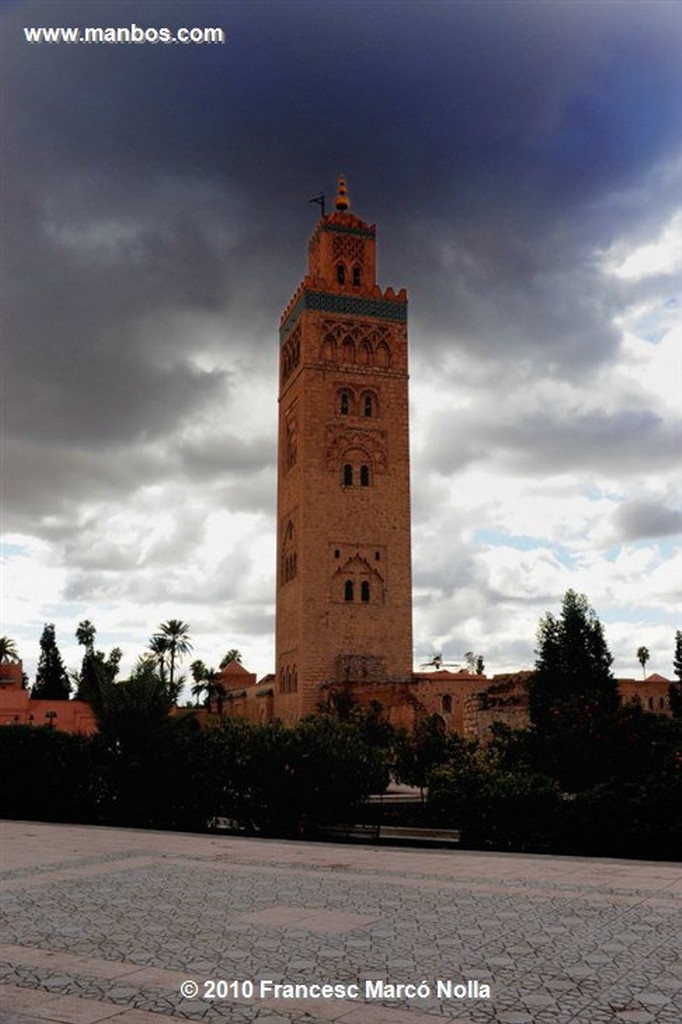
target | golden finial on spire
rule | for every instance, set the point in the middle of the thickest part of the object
(342, 197)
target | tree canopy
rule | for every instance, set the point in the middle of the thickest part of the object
(8, 649)
(52, 681)
(573, 667)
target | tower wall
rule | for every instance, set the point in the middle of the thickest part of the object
(344, 564)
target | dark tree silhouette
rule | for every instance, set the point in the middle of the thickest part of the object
(52, 682)
(170, 645)
(675, 688)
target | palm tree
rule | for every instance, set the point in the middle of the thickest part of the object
(8, 649)
(158, 645)
(642, 658)
(198, 670)
(85, 635)
(214, 688)
(232, 655)
(175, 635)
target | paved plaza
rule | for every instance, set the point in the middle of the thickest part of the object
(106, 924)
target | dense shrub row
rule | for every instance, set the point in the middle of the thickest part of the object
(271, 779)
(287, 782)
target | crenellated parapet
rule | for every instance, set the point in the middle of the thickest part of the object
(327, 296)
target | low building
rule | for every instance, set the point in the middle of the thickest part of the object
(18, 708)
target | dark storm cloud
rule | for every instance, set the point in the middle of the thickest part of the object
(624, 443)
(218, 454)
(497, 145)
(638, 520)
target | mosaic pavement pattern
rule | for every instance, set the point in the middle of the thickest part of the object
(106, 924)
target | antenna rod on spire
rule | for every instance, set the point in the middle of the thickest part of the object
(319, 200)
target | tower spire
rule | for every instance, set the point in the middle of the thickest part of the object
(342, 202)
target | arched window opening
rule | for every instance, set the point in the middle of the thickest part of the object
(356, 277)
(364, 591)
(294, 680)
(337, 553)
(383, 356)
(344, 403)
(377, 556)
(348, 475)
(364, 476)
(446, 704)
(367, 406)
(348, 590)
(329, 349)
(340, 273)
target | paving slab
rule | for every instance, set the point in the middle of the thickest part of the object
(138, 927)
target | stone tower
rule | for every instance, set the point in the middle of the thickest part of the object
(344, 586)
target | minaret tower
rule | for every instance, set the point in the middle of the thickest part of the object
(344, 586)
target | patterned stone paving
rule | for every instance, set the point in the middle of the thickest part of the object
(106, 924)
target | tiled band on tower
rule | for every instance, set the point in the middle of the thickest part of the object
(344, 587)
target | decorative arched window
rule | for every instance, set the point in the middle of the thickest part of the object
(364, 476)
(294, 680)
(383, 355)
(367, 405)
(348, 590)
(329, 349)
(356, 277)
(344, 403)
(364, 591)
(348, 475)
(340, 273)
(446, 704)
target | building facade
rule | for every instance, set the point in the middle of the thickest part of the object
(344, 581)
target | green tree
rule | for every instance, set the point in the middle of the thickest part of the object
(52, 681)
(136, 708)
(642, 657)
(573, 695)
(158, 646)
(171, 643)
(8, 649)
(573, 667)
(85, 635)
(232, 655)
(97, 669)
(215, 688)
(492, 804)
(206, 681)
(198, 672)
(675, 688)
(422, 750)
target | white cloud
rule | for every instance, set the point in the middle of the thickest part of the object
(663, 255)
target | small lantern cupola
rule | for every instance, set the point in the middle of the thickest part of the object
(342, 202)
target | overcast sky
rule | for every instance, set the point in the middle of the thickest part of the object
(523, 164)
